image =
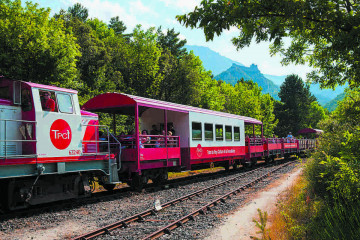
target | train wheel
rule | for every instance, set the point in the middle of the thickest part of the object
(161, 178)
(235, 166)
(138, 182)
(109, 187)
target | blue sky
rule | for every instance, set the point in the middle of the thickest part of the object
(155, 13)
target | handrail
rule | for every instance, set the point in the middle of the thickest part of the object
(24, 134)
(154, 141)
(107, 142)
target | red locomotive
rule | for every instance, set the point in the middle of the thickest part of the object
(50, 148)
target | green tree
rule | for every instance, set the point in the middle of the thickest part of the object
(35, 47)
(171, 41)
(294, 108)
(78, 11)
(323, 33)
(117, 25)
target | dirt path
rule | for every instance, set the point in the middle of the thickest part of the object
(239, 225)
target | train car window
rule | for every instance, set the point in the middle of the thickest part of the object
(228, 133)
(219, 132)
(5, 93)
(209, 132)
(236, 134)
(47, 101)
(65, 103)
(196, 131)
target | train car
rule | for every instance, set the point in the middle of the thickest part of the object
(202, 137)
(48, 146)
(50, 149)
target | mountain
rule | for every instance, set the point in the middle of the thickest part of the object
(331, 106)
(236, 72)
(225, 69)
(212, 60)
(278, 80)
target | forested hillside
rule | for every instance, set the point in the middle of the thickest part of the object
(73, 51)
(323, 34)
(236, 72)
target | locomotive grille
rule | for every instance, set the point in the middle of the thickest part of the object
(10, 150)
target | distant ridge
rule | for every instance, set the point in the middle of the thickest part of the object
(331, 106)
(236, 72)
(212, 60)
(219, 65)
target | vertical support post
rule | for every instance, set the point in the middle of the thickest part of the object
(114, 124)
(166, 145)
(262, 130)
(137, 136)
(5, 140)
(253, 130)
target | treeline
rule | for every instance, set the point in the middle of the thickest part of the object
(72, 51)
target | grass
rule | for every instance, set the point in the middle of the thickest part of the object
(300, 214)
(295, 210)
(174, 175)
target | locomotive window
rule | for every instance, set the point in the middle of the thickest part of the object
(219, 132)
(236, 134)
(5, 92)
(228, 133)
(209, 132)
(47, 101)
(65, 103)
(196, 131)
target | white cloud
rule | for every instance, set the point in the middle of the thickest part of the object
(138, 7)
(183, 5)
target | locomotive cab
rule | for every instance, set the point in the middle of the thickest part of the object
(49, 148)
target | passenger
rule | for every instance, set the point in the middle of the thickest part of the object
(157, 143)
(170, 139)
(154, 130)
(172, 130)
(289, 137)
(144, 140)
(47, 103)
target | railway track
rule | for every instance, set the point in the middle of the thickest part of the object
(110, 195)
(154, 223)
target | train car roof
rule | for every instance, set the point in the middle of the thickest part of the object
(51, 88)
(41, 86)
(114, 102)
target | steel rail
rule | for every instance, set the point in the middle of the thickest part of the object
(140, 216)
(175, 224)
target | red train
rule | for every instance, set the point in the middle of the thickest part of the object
(50, 148)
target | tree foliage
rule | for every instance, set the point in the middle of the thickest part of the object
(335, 170)
(298, 108)
(34, 47)
(74, 51)
(323, 33)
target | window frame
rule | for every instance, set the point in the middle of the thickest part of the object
(212, 131)
(52, 93)
(222, 132)
(235, 139)
(58, 102)
(192, 131)
(231, 132)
